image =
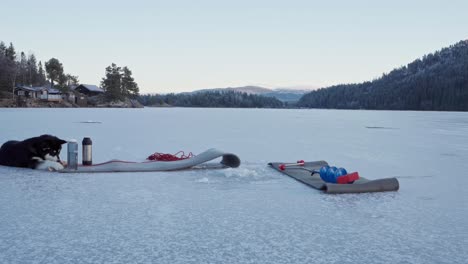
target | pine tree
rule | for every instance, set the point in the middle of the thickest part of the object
(2, 49)
(72, 80)
(119, 83)
(32, 68)
(129, 86)
(54, 70)
(3, 68)
(10, 53)
(8, 68)
(111, 83)
(62, 82)
(41, 78)
(22, 76)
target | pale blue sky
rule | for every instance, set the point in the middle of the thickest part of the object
(174, 46)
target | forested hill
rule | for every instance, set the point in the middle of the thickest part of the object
(438, 81)
(216, 98)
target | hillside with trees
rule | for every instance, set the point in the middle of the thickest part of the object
(217, 98)
(21, 69)
(437, 81)
(24, 70)
(290, 96)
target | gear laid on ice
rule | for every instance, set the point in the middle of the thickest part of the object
(169, 162)
(170, 157)
(319, 175)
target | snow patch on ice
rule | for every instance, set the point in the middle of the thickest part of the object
(203, 180)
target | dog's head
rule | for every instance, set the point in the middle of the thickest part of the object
(47, 147)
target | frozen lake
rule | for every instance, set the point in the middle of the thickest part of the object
(251, 214)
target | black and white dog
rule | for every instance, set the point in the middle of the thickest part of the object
(36, 153)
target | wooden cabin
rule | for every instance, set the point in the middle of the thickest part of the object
(89, 89)
(40, 92)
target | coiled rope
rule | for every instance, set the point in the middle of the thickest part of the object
(157, 156)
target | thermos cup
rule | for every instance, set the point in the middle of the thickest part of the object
(87, 151)
(72, 155)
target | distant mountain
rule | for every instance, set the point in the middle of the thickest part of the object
(437, 81)
(282, 94)
(243, 89)
(302, 88)
(286, 96)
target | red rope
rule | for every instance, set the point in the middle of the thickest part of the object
(169, 157)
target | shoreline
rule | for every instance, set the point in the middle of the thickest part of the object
(36, 103)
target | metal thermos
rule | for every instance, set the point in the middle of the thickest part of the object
(87, 151)
(72, 155)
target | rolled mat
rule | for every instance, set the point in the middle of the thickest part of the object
(229, 160)
(362, 185)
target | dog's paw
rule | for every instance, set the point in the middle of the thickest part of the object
(50, 165)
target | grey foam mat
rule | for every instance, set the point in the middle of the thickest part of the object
(360, 186)
(196, 162)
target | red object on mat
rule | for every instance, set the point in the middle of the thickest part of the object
(170, 157)
(283, 166)
(348, 178)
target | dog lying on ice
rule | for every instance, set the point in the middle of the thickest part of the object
(36, 153)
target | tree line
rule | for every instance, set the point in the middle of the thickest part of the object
(119, 83)
(25, 70)
(437, 81)
(230, 99)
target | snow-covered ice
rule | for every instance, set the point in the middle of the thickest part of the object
(251, 214)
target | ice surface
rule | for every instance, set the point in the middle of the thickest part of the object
(251, 214)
